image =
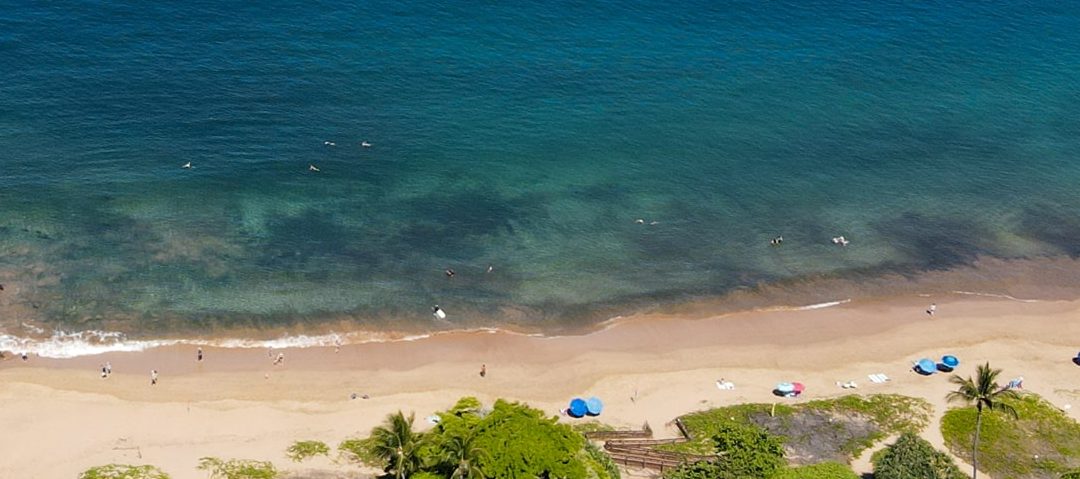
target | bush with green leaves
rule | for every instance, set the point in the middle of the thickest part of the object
(911, 456)
(358, 450)
(822, 470)
(508, 441)
(698, 470)
(1073, 474)
(302, 450)
(123, 471)
(522, 442)
(237, 468)
(748, 451)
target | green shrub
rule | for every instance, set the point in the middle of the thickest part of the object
(824, 470)
(123, 471)
(697, 470)
(748, 451)
(301, 450)
(359, 450)
(522, 442)
(911, 456)
(237, 468)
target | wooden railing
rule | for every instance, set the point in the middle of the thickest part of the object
(630, 448)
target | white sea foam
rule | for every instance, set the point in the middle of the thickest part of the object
(996, 295)
(62, 344)
(808, 307)
(822, 305)
(71, 344)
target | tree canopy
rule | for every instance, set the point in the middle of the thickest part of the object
(748, 451)
(510, 440)
(911, 456)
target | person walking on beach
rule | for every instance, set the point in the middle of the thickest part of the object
(108, 368)
(153, 377)
(932, 309)
(483, 370)
(198, 355)
(104, 372)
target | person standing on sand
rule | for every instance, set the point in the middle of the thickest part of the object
(932, 309)
(153, 377)
(108, 368)
(198, 355)
(483, 370)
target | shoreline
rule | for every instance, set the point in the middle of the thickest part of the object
(1052, 278)
(1021, 280)
(236, 403)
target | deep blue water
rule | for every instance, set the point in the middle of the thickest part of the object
(524, 135)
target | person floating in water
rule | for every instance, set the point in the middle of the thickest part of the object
(777, 241)
(438, 312)
(450, 273)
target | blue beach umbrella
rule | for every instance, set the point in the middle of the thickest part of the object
(950, 361)
(927, 366)
(577, 408)
(594, 406)
(785, 387)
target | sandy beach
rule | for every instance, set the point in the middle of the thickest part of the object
(60, 416)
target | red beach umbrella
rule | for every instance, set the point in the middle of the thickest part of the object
(799, 387)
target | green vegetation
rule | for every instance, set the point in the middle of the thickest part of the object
(893, 413)
(911, 456)
(397, 445)
(123, 471)
(697, 470)
(841, 427)
(748, 450)
(1073, 474)
(598, 463)
(1041, 442)
(302, 450)
(510, 440)
(985, 393)
(237, 468)
(592, 426)
(359, 450)
(823, 470)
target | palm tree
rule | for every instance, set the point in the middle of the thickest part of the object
(462, 457)
(396, 443)
(984, 391)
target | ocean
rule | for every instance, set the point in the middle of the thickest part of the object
(600, 157)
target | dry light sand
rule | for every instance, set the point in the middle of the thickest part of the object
(59, 417)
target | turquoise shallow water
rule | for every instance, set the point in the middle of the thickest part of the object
(526, 137)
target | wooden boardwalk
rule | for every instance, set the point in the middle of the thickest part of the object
(636, 448)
